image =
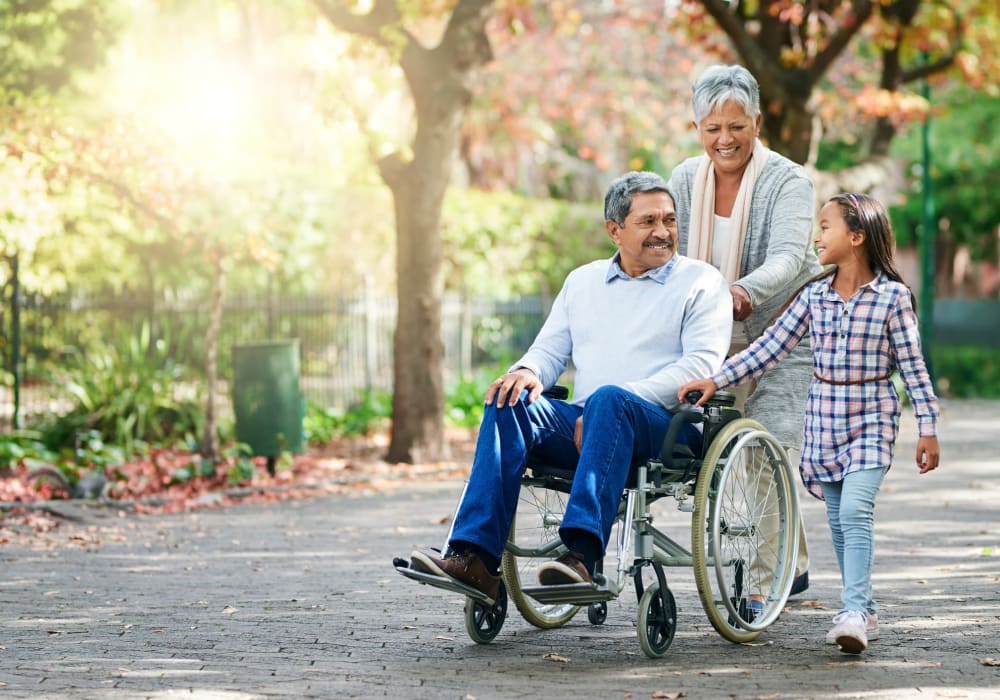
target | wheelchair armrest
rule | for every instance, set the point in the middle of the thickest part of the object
(726, 399)
(556, 391)
(684, 416)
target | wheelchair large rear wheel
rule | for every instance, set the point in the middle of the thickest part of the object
(744, 531)
(533, 540)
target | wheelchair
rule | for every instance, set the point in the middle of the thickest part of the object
(740, 491)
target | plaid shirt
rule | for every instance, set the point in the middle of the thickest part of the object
(848, 427)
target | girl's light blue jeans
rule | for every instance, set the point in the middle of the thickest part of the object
(850, 510)
(620, 428)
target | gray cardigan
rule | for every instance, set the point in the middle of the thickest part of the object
(778, 258)
(778, 255)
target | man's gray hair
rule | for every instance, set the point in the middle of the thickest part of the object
(618, 200)
(720, 84)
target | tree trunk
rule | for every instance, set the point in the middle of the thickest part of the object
(418, 189)
(789, 129)
(440, 83)
(418, 350)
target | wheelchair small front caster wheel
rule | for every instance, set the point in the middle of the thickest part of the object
(483, 622)
(597, 613)
(657, 621)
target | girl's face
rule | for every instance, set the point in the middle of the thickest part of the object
(727, 136)
(835, 243)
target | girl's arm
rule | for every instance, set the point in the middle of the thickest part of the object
(904, 338)
(765, 352)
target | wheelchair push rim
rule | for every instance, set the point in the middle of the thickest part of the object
(729, 529)
(533, 540)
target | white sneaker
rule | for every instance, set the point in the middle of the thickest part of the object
(871, 629)
(849, 631)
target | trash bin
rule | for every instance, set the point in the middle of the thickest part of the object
(267, 402)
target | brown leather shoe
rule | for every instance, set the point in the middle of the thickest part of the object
(569, 568)
(467, 568)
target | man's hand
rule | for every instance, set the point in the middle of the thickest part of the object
(578, 434)
(742, 306)
(507, 388)
(928, 454)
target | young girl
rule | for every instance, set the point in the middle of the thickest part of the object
(860, 318)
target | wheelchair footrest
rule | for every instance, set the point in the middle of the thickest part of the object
(444, 582)
(577, 593)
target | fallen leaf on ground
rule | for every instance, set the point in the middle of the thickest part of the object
(556, 657)
(229, 610)
(990, 662)
(670, 696)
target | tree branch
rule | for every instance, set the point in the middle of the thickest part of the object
(384, 14)
(100, 178)
(465, 36)
(861, 11)
(765, 68)
(940, 64)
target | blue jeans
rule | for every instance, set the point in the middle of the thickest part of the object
(620, 429)
(850, 509)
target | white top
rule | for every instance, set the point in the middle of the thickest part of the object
(649, 334)
(720, 239)
(720, 242)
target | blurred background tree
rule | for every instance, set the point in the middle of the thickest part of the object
(194, 148)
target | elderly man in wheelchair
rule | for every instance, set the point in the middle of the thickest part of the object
(636, 327)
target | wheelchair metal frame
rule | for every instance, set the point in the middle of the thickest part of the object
(722, 576)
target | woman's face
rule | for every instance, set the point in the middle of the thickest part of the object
(728, 136)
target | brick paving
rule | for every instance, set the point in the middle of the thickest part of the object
(299, 600)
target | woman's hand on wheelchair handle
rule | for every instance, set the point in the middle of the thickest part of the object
(706, 387)
(507, 388)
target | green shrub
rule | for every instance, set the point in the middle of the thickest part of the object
(128, 395)
(372, 410)
(464, 407)
(966, 372)
(23, 446)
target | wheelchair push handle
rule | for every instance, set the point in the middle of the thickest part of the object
(692, 397)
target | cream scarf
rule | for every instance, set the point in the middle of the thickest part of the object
(703, 212)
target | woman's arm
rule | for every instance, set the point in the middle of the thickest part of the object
(786, 218)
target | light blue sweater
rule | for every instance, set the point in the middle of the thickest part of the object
(649, 334)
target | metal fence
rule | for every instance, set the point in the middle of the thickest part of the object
(345, 343)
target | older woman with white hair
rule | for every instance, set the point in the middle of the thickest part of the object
(749, 211)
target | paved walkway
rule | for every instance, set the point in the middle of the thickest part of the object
(300, 600)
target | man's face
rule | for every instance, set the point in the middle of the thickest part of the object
(649, 236)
